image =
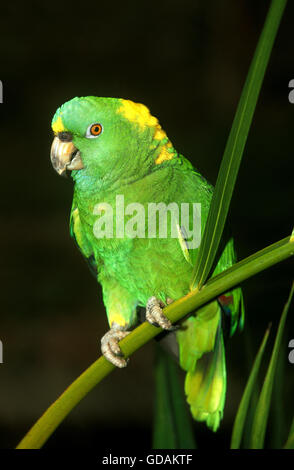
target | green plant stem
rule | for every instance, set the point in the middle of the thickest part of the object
(230, 278)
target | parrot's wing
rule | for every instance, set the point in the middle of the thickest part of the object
(182, 238)
(79, 236)
(232, 301)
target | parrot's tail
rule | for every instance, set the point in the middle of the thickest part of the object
(202, 355)
(205, 386)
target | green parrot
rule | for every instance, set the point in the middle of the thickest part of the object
(135, 201)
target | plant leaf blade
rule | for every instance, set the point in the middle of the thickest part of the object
(172, 424)
(244, 403)
(262, 410)
(235, 146)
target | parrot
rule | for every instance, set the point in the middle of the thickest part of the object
(124, 166)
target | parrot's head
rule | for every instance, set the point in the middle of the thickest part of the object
(108, 139)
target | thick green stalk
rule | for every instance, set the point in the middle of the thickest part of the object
(230, 278)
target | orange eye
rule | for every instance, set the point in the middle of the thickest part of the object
(95, 129)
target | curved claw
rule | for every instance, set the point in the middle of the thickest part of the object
(111, 349)
(155, 316)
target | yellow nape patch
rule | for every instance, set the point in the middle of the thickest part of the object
(58, 126)
(159, 133)
(137, 113)
(116, 317)
(164, 154)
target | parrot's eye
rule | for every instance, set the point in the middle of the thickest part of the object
(94, 130)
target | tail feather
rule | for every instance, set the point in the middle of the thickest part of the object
(202, 355)
(197, 335)
(205, 386)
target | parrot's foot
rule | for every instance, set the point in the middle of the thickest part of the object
(155, 316)
(110, 347)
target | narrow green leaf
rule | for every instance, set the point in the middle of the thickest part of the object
(244, 404)
(292, 428)
(235, 146)
(249, 356)
(277, 413)
(172, 421)
(290, 441)
(262, 410)
(164, 432)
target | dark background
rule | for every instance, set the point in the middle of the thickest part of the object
(187, 61)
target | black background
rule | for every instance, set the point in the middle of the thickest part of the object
(187, 61)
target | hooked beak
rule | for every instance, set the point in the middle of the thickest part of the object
(65, 156)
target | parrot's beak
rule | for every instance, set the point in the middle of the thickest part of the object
(65, 156)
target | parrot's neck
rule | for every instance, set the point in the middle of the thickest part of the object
(94, 181)
(90, 185)
(87, 183)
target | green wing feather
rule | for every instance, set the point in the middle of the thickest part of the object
(80, 238)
